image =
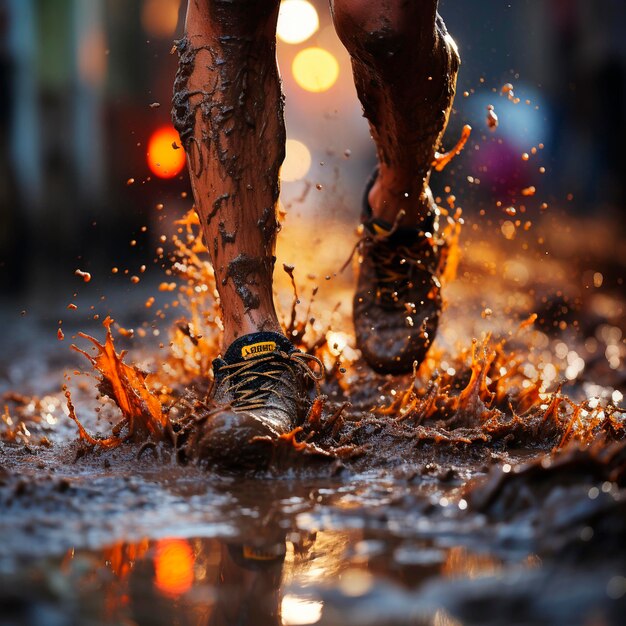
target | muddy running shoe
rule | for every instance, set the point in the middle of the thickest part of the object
(263, 388)
(398, 301)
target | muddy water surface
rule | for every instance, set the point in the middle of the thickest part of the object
(160, 544)
(489, 488)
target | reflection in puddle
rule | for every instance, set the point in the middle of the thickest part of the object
(278, 553)
(296, 610)
(174, 562)
(265, 581)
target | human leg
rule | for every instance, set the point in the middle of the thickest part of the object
(405, 66)
(228, 110)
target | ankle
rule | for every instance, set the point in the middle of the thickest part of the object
(235, 328)
(386, 202)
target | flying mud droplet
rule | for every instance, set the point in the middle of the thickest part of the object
(492, 118)
(508, 229)
(86, 276)
(507, 90)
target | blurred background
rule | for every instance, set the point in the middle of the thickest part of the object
(89, 179)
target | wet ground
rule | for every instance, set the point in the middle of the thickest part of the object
(489, 488)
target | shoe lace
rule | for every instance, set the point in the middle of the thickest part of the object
(399, 267)
(243, 378)
(370, 238)
(396, 265)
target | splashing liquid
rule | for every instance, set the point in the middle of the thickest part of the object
(143, 416)
(484, 394)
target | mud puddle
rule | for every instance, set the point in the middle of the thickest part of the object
(489, 487)
(114, 540)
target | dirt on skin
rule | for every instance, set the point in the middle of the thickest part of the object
(231, 115)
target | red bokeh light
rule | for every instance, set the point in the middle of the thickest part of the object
(164, 160)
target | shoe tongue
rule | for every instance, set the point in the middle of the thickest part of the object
(257, 345)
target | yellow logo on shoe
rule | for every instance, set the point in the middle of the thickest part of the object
(255, 349)
(379, 230)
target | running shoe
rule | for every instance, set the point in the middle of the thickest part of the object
(398, 296)
(263, 388)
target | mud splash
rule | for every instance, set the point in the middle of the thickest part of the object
(490, 395)
(142, 413)
(490, 479)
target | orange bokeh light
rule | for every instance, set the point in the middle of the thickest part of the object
(173, 565)
(164, 160)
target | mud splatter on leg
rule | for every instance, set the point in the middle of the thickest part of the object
(405, 66)
(228, 108)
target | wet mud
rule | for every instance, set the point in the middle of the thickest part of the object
(484, 488)
(244, 273)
